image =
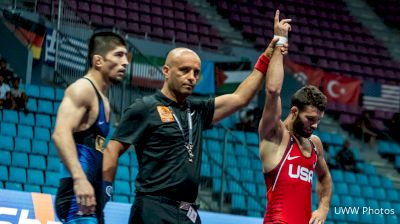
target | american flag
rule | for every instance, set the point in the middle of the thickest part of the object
(381, 96)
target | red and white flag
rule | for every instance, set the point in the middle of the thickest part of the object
(342, 89)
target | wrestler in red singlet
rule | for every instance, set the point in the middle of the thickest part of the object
(289, 186)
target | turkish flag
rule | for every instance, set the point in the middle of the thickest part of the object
(342, 89)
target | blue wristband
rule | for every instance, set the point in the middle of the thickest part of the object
(108, 190)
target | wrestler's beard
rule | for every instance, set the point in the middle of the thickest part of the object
(299, 129)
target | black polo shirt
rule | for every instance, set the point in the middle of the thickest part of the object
(164, 167)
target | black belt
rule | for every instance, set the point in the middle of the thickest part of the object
(179, 204)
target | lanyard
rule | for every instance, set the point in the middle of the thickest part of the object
(189, 143)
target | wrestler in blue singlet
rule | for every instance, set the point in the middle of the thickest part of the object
(89, 144)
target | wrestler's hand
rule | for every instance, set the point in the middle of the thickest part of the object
(85, 196)
(281, 28)
(318, 216)
(270, 49)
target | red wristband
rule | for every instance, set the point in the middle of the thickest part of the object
(262, 64)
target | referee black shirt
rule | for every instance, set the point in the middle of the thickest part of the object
(164, 167)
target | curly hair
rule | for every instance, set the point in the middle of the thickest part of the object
(309, 96)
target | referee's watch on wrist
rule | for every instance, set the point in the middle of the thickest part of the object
(107, 191)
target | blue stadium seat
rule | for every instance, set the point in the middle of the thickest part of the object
(369, 169)
(204, 155)
(252, 138)
(349, 177)
(244, 162)
(120, 198)
(122, 173)
(45, 106)
(337, 139)
(25, 131)
(40, 147)
(241, 150)
(325, 137)
(238, 202)
(250, 187)
(20, 159)
(37, 162)
(261, 190)
(17, 174)
(10, 116)
(134, 172)
(378, 218)
(32, 188)
(31, 105)
(122, 187)
(385, 205)
(43, 120)
(374, 181)
(386, 182)
(3, 173)
(134, 161)
(46, 93)
(14, 186)
(52, 149)
(259, 177)
(35, 177)
(53, 121)
(355, 190)
(7, 143)
(53, 163)
(231, 161)
(246, 174)
(252, 204)
(380, 193)
(32, 90)
(26, 119)
(5, 157)
(49, 190)
(233, 173)
(367, 192)
(337, 176)
(216, 171)
(371, 203)
(124, 160)
(1, 183)
(365, 218)
(56, 106)
(216, 158)
(392, 219)
(52, 178)
(335, 201)
(8, 129)
(22, 145)
(393, 194)
(237, 136)
(216, 185)
(205, 170)
(214, 146)
(59, 94)
(362, 179)
(42, 134)
(214, 133)
(233, 187)
(341, 188)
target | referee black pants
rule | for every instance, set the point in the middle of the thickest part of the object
(149, 209)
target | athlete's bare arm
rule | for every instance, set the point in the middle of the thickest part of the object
(324, 184)
(229, 103)
(73, 115)
(110, 159)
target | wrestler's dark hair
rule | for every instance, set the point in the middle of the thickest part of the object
(309, 96)
(102, 42)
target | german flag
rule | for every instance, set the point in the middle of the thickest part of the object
(28, 32)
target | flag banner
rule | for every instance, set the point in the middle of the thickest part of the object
(206, 83)
(381, 97)
(342, 89)
(305, 74)
(28, 32)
